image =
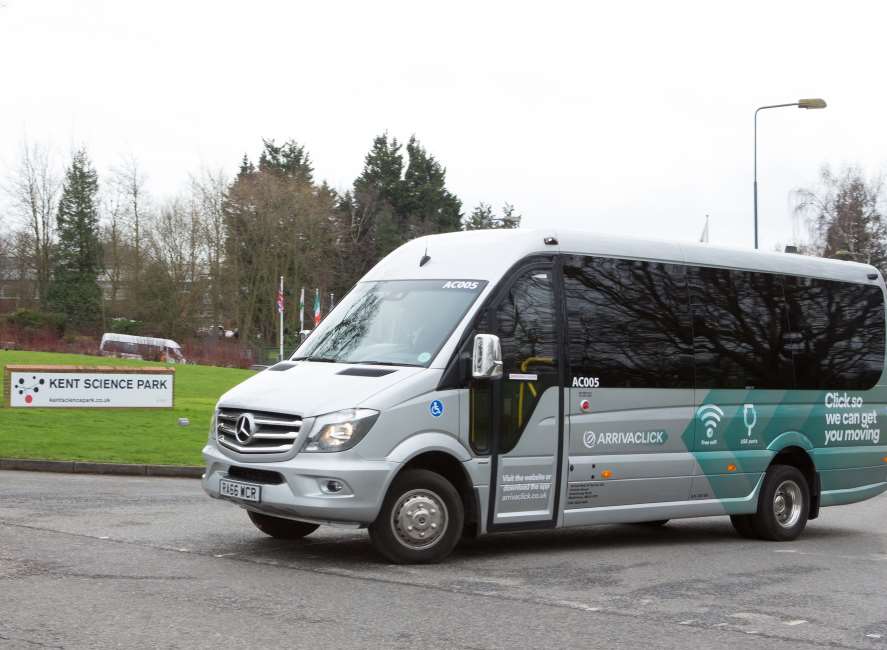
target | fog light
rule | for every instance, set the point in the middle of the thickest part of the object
(333, 486)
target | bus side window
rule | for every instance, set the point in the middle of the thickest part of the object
(837, 337)
(628, 322)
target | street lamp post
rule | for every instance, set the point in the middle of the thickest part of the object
(801, 103)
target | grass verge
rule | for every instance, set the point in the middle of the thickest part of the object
(120, 436)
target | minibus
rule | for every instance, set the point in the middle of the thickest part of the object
(504, 380)
(128, 346)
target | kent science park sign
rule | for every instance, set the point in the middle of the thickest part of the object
(29, 386)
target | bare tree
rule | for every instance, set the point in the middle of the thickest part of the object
(129, 180)
(114, 248)
(846, 216)
(208, 190)
(171, 295)
(33, 189)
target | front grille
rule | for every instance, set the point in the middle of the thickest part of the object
(255, 475)
(275, 433)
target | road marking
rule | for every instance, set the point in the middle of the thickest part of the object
(690, 622)
(797, 622)
(873, 636)
(580, 606)
(786, 550)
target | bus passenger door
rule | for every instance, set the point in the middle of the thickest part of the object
(525, 404)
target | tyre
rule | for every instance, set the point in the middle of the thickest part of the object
(744, 526)
(281, 528)
(783, 506)
(421, 520)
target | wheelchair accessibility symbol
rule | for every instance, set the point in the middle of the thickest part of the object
(436, 408)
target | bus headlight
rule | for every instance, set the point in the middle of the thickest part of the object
(340, 430)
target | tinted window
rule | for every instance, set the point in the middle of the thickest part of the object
(526, 323)
(628, 322)
(740, 330)
(837, 333)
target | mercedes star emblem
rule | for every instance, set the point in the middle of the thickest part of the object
(245, 428)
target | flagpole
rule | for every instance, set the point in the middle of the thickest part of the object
(280, 312)
(301, 313)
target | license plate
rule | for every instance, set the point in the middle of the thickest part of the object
(237, 490)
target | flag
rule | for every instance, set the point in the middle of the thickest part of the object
(280, 298)
(316, 307)
(302, 310)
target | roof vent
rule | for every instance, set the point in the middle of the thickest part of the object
(550, 241)
(791, 249)
(872, 276)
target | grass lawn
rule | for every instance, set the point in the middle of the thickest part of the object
(123, 436)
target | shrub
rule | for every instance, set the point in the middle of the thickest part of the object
(32, 321)
(123, 325)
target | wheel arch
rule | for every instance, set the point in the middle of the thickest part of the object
(444, 455)
(793, 448)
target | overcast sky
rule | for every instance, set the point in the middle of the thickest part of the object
(621, 117)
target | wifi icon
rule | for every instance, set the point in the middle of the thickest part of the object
(711, 415)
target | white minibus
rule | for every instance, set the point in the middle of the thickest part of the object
(507, 380)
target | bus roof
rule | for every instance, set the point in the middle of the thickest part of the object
(142, 340)
(488, 254)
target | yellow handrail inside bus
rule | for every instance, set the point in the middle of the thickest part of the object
(548, 361)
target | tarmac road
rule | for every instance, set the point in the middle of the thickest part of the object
(97, 561)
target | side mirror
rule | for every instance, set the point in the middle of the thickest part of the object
(486, 362)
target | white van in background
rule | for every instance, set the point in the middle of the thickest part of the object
(127, 346)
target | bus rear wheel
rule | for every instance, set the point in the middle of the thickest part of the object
(421, 520)
(280, 528)
(783, 506)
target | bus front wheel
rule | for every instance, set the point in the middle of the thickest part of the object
(421, 519)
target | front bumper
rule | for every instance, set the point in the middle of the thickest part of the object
(300, 496)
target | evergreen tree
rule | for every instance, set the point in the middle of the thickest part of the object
(510, 218)
(289, 159)
(74, 289)
(482, 218)
(277, 221)
(382, 171)
(391, 203)
(427, 207)
(246, 167)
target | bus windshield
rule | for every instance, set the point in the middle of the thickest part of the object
(394, 322)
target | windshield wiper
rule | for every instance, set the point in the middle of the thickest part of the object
(318, 359)
(386, 363)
